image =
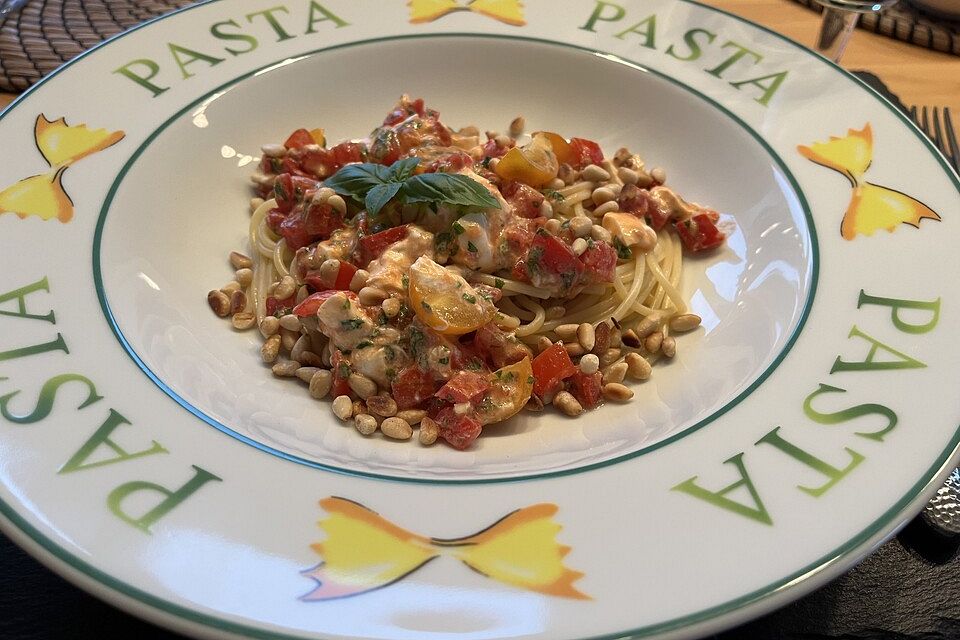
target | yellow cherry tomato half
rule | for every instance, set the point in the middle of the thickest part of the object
(561, 148)
(510, 388)
(444, 301)
(535, 164)
(318, 137)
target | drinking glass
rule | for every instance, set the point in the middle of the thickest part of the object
(839, 20)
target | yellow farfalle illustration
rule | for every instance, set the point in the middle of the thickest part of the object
(872, 207)
(61, 146)
(507, 11)
(363, 551)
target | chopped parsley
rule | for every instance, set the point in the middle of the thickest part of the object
(351, 324)
(554, 195)
(469, 298)
(475, 364)
(444, 360)
(472, 248)
(531, 380)
(405, 280)
(364, 343)
(426, 306)
(623, 251)
(343, 371)
(457, 228)
(498, 283)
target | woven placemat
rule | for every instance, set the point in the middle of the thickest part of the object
(905, 22)
(47, 33)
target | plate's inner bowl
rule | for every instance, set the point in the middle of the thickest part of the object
(183, 205)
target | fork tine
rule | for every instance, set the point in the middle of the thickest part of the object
(951, 139)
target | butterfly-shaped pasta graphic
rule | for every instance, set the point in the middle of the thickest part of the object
(61, 145)
(507, 11)
(363, 551)
(871, 207)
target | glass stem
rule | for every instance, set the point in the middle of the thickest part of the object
(835, 31)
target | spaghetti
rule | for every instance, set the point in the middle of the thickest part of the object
(425, 276)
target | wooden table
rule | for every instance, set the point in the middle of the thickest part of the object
(917, 75)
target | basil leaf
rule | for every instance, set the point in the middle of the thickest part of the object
(448, 188)
(378, 196)
(355, 180)
(403, 169)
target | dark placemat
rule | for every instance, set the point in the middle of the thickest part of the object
(47, 33)
(905, 22)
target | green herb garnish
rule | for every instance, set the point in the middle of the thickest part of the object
(469, 298)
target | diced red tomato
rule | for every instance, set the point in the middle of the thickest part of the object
(549, 255)
(447, 163)
(299, 138)
(340, 367)
(501, 348)
(586, 388)
(385, 146)
(344, 276)
(550, 368)
(699, 232)
(314, 301)
(492, 150)
(412, 387)
(458, 431)
(307, 225)
(526, 200)
(585, 152)
(289, 190)
(347, 152)
(372, 246)
(404, 109)
(275, 304)
(599, 263)
(465, 386)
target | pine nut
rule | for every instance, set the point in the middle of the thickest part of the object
(615, 373)
(240, 261)
(365, 424)
(429, 431)
(320, 384)
(546, 209)
(653, 342)
(230, 287)
(567, 403)
(685, 322)
(669, 347)
(586, 335)
(396, 428)
(659, 175)
(606, 207)
(243, 321)
(643, 179)
(359, 280)
(517, 126)
(382, 405)
(309, 358)
(601, 195)
(302, 294)
(593, 173)
(615, 338)
(362, 385)
(556, 183)
(630, 339)
(288, 339)
(244, 277)
(300, 348)
(269, 326)
(566, 331)
(637, 366)
(338, 203)
(412, 416)
(372, 296)
(359, 407)
(617, 392)
(323, 194)
(600, 234)
(552, 225)
(290, 322)
(609, 356)
(628, 175)
(270, 349)
(556, 311)
(219, 302)
(579, 246)
(543, 343)
(343, 407)
(601, 340)
(580, 226)
(238, 301)
(255, 204)
(286, 369)
(573, 349)
(589, 364)
(286, 288)
(647, 326)
(328, 271)
(502, 140)
(305, 373)
(391, 307)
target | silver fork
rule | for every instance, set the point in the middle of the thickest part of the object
(938, 125)
(9, 7)
(943, 510)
